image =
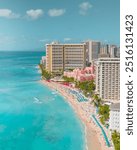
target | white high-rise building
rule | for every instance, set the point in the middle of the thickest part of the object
(103, 53)
(92, 50)
(118, 52)
(107, 50)
(108, 79)
(114, 118)
(113, 51)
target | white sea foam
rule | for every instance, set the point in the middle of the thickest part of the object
(54, 92)
(48, 99)
(37, 66)
(39, 71)
(36, 100)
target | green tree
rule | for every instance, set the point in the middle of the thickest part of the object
(104, 113)
(87, 87)
(96, 101)
(77, 84)
(45, 73)
(102, 120)
(116, 140)
(68, 79)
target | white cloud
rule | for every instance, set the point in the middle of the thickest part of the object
(67, 39)
(56, 12)
(34, 14)
(7, 13)
(84, 7)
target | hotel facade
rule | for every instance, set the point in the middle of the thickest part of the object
(114, 119)
(60, 57)
(107, 72)
(92, 50)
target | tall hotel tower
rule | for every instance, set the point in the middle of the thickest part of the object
(108, 79)
(92, 50)
(64, 56)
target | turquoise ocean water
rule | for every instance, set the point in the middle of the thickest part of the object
(32, 116)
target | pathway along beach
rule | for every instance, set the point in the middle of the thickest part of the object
(94, 139)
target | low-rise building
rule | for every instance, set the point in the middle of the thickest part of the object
(85, 74)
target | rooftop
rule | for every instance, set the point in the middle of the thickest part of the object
(64, 44)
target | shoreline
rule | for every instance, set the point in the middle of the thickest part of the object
(92, 133)
(83, 124)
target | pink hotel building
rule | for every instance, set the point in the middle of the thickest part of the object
(85, 74)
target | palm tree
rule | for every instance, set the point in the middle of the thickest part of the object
(104, 113)
(116, 140)
(96, 101)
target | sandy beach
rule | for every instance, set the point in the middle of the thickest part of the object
(94, 138)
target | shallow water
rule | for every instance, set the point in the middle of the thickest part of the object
(32, 116)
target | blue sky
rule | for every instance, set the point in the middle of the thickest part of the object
(29, 24)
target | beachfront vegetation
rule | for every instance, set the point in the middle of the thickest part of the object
(68, 79)
(87, 87)
(116, 140)
(96, 100)
(47, 75)
(103, 110)
(70, 69)
(60, 72)
(104, 113)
